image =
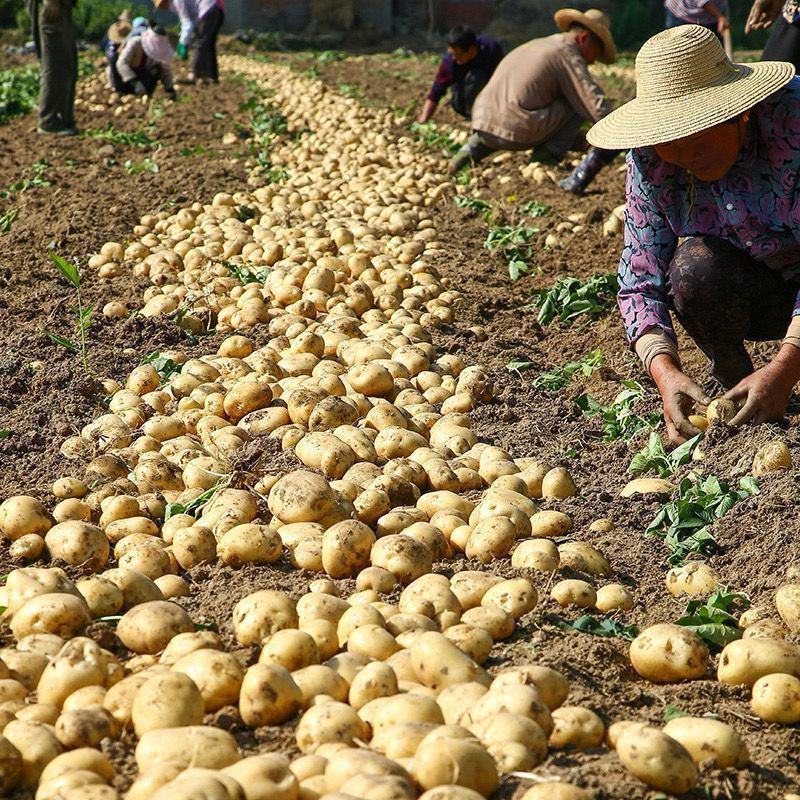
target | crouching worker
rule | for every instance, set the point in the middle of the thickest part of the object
(712, 230)
(470, 61)
(141, 63)
(542, 92)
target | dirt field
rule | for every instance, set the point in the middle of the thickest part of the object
(87, 196)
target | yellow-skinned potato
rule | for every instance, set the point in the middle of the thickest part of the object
(57, 613)
(323, 451)
(10, 766)
(329, 722)
(473, 641)
(613, 596)
(102, 596)
(574, 592)
(196, 746)
(249, 543)
(261, 614)
(499, 624)
(168, 700)
(583, 557)
(268, 696)
(491, 538)
(511, 699)
(776, 698)
(514, 728)
(356, 761)
(319, 679)
(455, 761)
(83, 727)
(403, 556)
(657, 760)
(290, 648)
(667, 653)
(217, 674)
(450, 792)
(78, 542)
(245, 397)
(301, 496)
(771, 457)
(552, 686)
(148, 628)
(576, 727)
(438, 663)
(346, 548)
(557, 790)
(37, 746)
(517, 597)
(410, 707)
(694, 579)
(744, 661)
(470, 586)
(558, 484)
(709, 741)
(79, 663)
(83, 759)
(787, 602)
(265, 776)
(374, 680)
(455, 699)
(21, 515)
(549, 524)
(539, 554)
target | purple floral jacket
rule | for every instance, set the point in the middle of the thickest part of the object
(755, 207)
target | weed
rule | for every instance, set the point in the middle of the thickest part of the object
(608, 628)
(653, 458)
(275, 175)
(683, 522)
(673, 712)
(83, 315)
(244, 274)
(620, 421)
(5, 433)
(515, 245)
(197, 150)
(138, 167)
(193, 507)
(712, 620)
(328, 56)
(164, 366)
(116, 136)
(350, 90)
(428, 133)
(19, 92)
(36, 180)
(475, 205)
(561, 377)
(463, 177)
(568, 298)
(7, 220)
(533, 208)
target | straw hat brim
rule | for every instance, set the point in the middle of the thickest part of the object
(567, 16)
(118, 31)
(642, 123)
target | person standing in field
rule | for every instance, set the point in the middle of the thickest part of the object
(711, 14)
(201, 22)
(784, 41)
(540, 95)
(54, 36)
(466, 68)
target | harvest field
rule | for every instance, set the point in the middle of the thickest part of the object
(316, 464)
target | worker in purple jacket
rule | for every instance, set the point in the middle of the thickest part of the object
(470, 61)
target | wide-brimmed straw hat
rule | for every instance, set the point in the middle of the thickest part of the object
(595, 21)
(125, 16)
(686, 84)
(118, 31)
(157, 46)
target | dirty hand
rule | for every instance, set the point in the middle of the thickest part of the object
(678, 393)
(50, 11)
(765, 393)
(762, 14)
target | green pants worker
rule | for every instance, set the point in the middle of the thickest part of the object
(54, 35)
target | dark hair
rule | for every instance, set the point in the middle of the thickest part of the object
(462, 37)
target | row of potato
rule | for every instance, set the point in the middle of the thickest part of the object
(349, 380)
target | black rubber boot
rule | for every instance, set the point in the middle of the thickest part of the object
(586, 171)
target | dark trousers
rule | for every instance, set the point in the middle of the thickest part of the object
(783, 43)
(723, 297)
(58, 56)
(463, 93)
(147, 77)
(204, 52)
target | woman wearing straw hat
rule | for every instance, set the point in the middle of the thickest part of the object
(541, 93)
(142, 62)
(712, 229)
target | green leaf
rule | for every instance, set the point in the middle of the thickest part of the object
(193, 507)
(69, 271)
(608, 628)
(164, 366)
(561, 377)
(5, 433)
(65, 343)
(520, 366)
(673, 712)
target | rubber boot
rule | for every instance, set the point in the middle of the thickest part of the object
(586, 171)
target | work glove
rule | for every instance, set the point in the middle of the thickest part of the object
(50, 11)
(138, 88)
(183, 53)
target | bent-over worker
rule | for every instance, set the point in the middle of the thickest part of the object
(712, 229)
(542, 92)
(141, 63)
(470, 61)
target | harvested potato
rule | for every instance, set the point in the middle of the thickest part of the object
(329, 722)
(557, 790)
(268, 695)
(709, 740)
(657, 760)
(614, 596)
(574, 592)
(552, 686)
(744, 661)
(259, 615)
(21, 515)
(695, 579)
(167, 700)
(771, 457)
(290, 648)
(558, 484)
(776, 698)
(301, 496)
(667, 653)
(787, 602)
(539, 554)
(438, 663)
(217, 674)
(517, 597)
(576, 727)
(195, 745)
(549, 524)
(266, 776)
(455, 761)
(149, 627)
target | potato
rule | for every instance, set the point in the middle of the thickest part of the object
(351, 762)
(552, 686)
(372, 641)
(558, 484)
(695, 579)
(377, 579)
(301, 496)
(21, 515)
(403, 556)
(374, 680)
(657, 760)
(57, 613)
(776, 698)
(787, 602)
(744, 661)
(667, 653)
(196, 746)
(329, 722)
(511, 699)
(557, 790)
(268, 696)
(765, 629)
(771, 457)
(135, 587)
(450, 792)
(323, 451)
(582, 557)
(516, 729)
(455, 761)
(346, 548)
(709, 741)
(249, 544)
(411, 707)
(262, 613)
(497, 623)
(217, 674)
(491, 538)
(379, 787)
(148, 628)
(244, 397)
(264, 777)
(539, 554)
(576, 727)
(77, 542)
(438, 663)
(79, 663)
(10, 766)
(290, 648)
(614, 596)
(647, 486)
(37, 747)
(471, 640)
(573, 592)
(721, 411)
(168, 700)
(549, 524)
(83, 727)
(318, 679)
(517, 597)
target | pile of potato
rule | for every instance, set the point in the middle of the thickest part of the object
(331, 357)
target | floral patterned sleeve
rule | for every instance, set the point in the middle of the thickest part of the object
(649, 246)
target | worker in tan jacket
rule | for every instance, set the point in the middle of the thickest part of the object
(540, 95)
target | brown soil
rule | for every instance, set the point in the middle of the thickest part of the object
(92, 201)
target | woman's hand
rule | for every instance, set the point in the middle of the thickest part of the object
(762, 14)
(678, 393)
(765, 393)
